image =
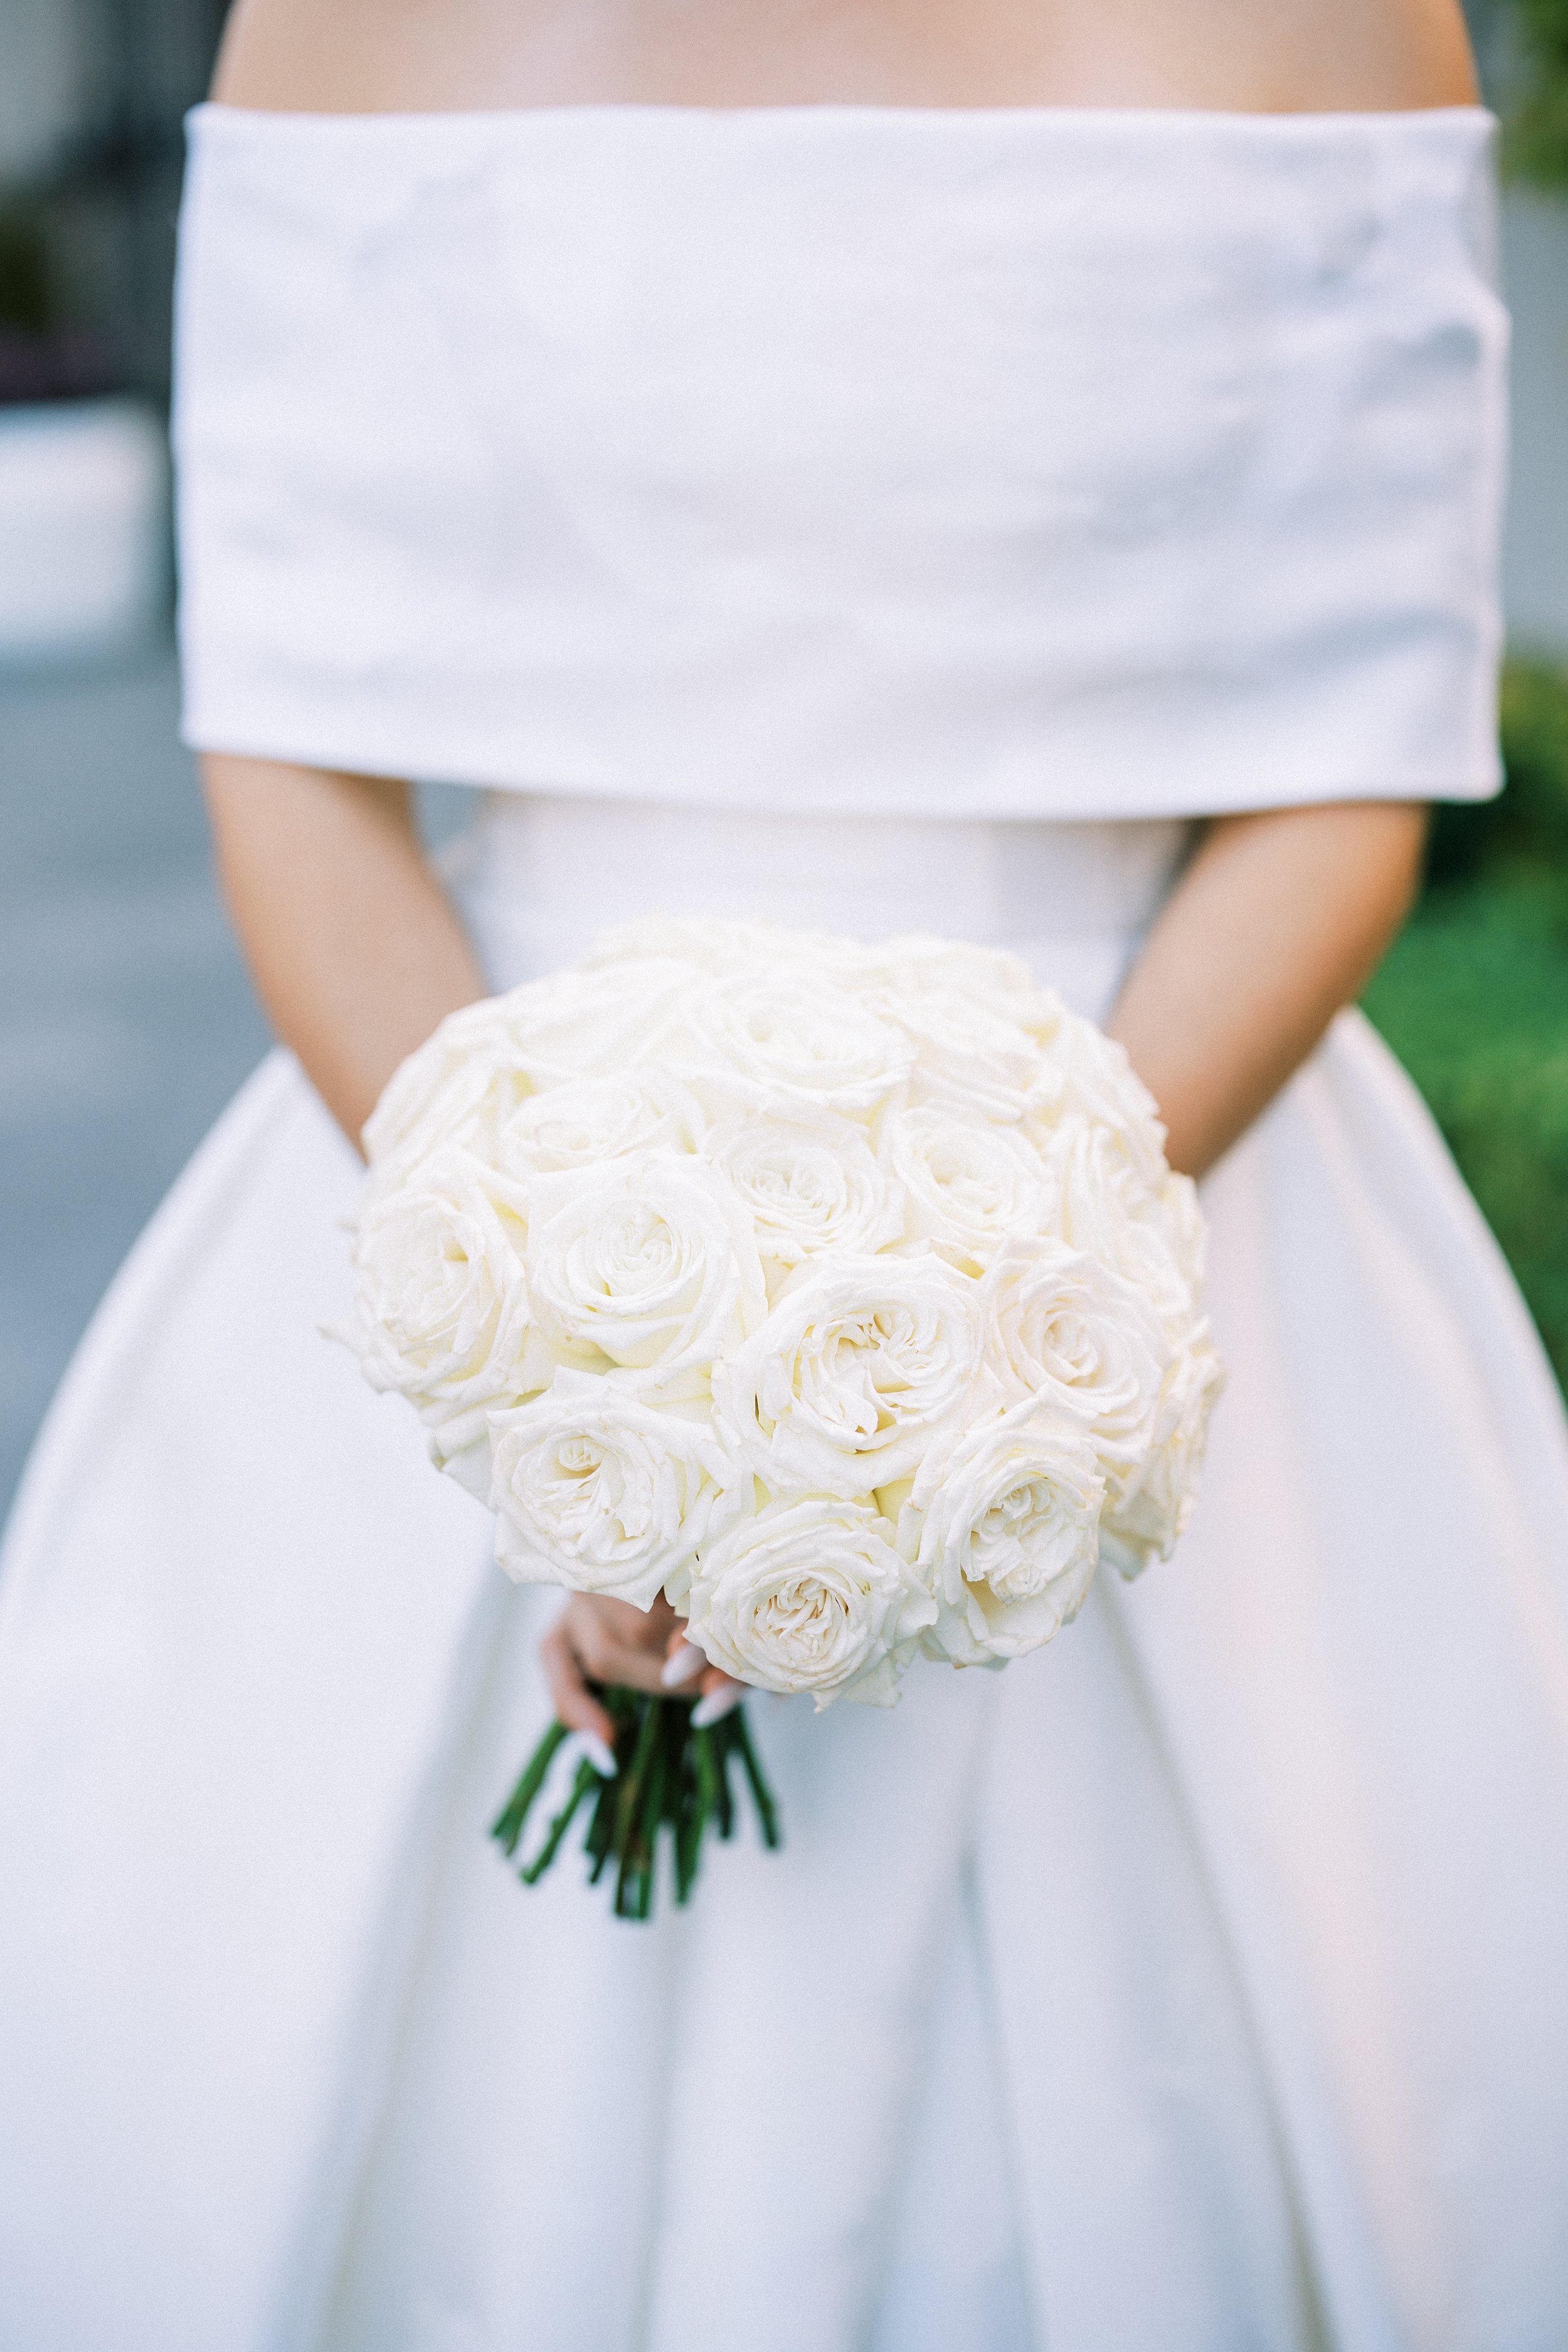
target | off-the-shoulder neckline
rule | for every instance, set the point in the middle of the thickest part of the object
(950, 118)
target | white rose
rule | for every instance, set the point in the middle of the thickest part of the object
(1144, 1521)
(647, 1263)
(1003, 1529)
(719, 948)
(809, 1595)
(583, 1024)
(861, 1366)
(1060, 1327)
(586, 1120)
(918, 964)
(455, 1088)
(1180, 1222)
(440, 1295)
(1043, 1016)
(1091, 1078)
(973, 1060)
(1108, 1207)
(596, 1490)
(810, 1186)
(960, 1008)
(969, 1185)
(787, 1044)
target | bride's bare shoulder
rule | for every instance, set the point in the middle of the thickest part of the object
(1371, 55)
(310, 57)
(368, 56)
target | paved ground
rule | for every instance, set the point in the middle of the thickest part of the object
(126, 1019)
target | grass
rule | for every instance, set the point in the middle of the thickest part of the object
(1474, 997)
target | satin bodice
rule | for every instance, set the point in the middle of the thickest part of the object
(540, 874)
(1008, 465)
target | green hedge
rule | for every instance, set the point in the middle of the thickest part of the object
(1474, 996)
(1535, 135)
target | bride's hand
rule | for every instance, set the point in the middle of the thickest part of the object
(600, 1640)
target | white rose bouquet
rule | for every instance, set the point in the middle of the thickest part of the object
(840, 1294)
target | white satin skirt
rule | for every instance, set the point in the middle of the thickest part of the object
(1197, 1985)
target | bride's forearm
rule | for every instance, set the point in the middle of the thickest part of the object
(353, 944)
(1279, 920)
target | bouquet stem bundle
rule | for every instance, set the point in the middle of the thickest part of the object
(669, 1775)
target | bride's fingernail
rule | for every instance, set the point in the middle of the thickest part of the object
(715, 1707)
(601, 1757)
(683, 1662)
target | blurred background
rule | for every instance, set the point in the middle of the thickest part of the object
(125, 1017)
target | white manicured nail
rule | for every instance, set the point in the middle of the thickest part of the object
(715, 1707)
(683, 1662)
(601, 1757)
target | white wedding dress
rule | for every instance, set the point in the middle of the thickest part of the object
(878, 521)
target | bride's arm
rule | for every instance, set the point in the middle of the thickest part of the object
(1279, 920)
(357, 954)
(352, 941)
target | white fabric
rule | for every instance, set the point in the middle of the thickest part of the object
(838, 460)
(1197, 1983)
(534, 868)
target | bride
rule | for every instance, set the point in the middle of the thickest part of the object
(1025, 473)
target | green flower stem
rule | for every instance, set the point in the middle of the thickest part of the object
(600, 1842)
(716, 1742)
(587, 1779)
(668, 1777)
(710, 1778)
(762, 1795)
(508, 1827)
(634, 1889)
